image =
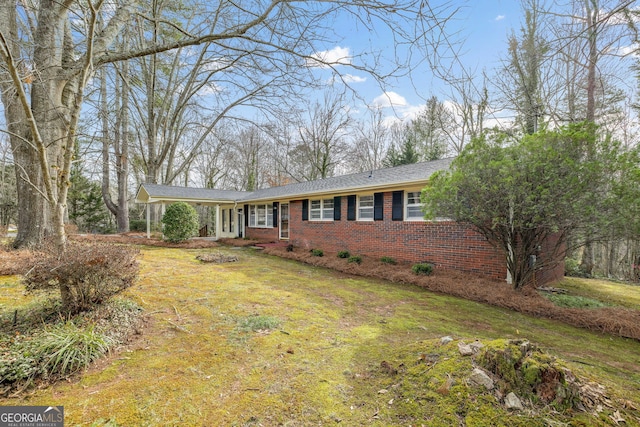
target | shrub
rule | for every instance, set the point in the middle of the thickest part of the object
(317, 252)
(180, 222)
(86, 274)
(422, 268)
(355, 258)
(572, 268)
(388, 260)
(289, 247)
(344, 254)
(138, 225)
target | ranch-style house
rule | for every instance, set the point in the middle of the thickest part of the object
(373, 214)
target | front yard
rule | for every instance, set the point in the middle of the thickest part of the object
(266, 341)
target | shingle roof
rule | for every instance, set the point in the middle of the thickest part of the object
(170, 192)
(406, 174)
(416, 173)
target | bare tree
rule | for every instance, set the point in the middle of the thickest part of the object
(115, 142)
(469, 104)
(371, 142)
(321, 140)
(50, 50)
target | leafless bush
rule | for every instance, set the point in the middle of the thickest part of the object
(86, 274)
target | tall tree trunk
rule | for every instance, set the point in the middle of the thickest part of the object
(122, 155)
(591, 9)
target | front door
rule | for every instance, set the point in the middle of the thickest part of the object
(284, 221)
(240, 223)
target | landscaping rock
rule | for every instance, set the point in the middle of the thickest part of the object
(446, 340)
(512, 402)
(479, 377)
(476, 346)
(464, 349)
(469, 349)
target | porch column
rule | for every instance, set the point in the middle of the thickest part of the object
(148, 220)
(218, 222)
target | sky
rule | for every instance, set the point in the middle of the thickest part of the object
(482, 26)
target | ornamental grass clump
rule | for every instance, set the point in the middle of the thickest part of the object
(67, 348)
(85, 274)
(180, 222)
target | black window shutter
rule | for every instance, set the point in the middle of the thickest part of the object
(305, 210)
(246, 215)
(337, 208)
(351, 208)
(275, 214)
(378, 206)
(397, 205)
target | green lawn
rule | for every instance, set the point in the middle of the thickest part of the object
(266, 341)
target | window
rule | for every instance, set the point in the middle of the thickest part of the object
(231, 228)
(261, 216)
(316, 210)
(321, 210)
(365, 208)
(224, 220)
(414, 206)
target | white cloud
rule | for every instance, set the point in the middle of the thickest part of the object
(629, 50)
(350, 78)
(389, 99)
(499, 18)
(336, 56)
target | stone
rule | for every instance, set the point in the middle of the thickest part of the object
(512, 402)
(476, 346)
(479, 377)
(464, 349)
(445, 340)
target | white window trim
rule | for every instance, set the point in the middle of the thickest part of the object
(322, 209)
(253, 220)
(406, 208)
(372, 207)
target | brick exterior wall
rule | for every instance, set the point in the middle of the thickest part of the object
(447, 245)
(263, 234)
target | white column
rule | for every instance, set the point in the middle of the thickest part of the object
(148, 220)
(218, 222)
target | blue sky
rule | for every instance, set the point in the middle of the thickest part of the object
(481, 26)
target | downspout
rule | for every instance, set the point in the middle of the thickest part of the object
(510, 259)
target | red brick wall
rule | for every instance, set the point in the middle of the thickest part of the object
(444, 244)
(263, 234)
(447, 245)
